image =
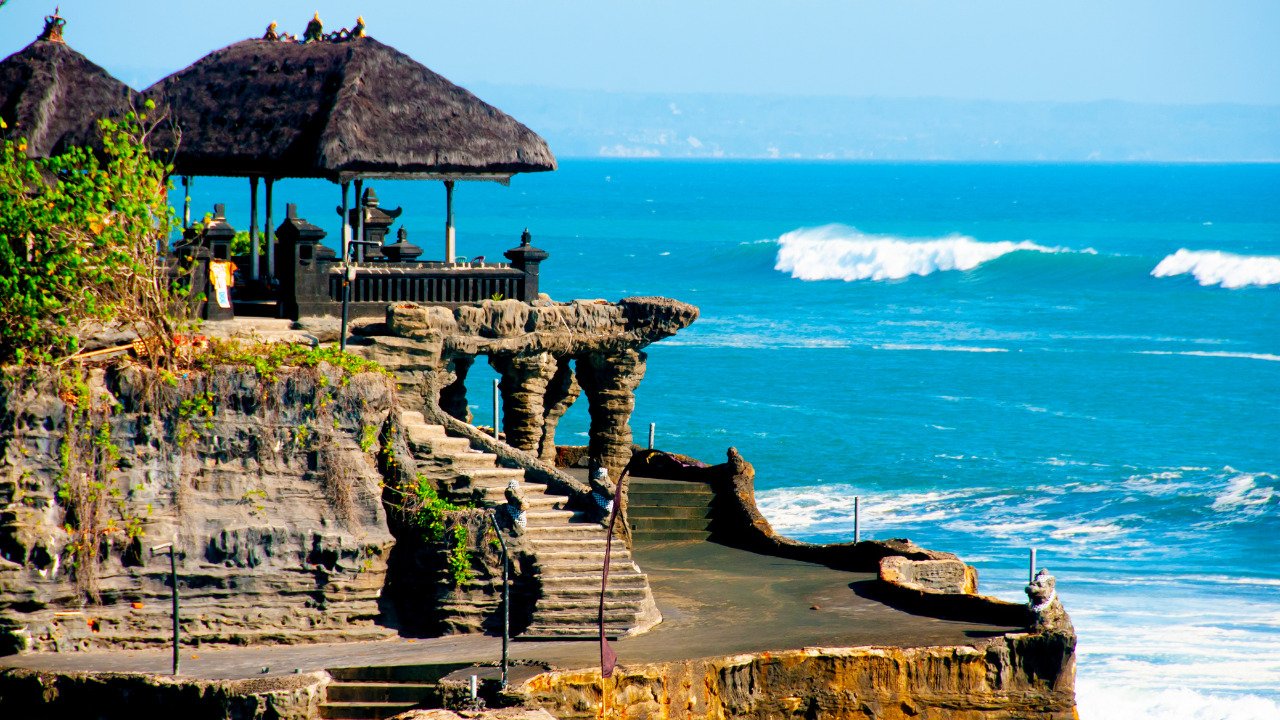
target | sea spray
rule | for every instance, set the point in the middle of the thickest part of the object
(1213, 267)
(839, 252)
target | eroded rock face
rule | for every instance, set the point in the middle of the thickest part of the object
(995, 682)
(273, 503)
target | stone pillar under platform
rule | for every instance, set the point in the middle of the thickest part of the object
(562, 391)
(523, 383)
(453, 397)
(609, 382)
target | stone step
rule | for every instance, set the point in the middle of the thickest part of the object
(500, 476)
(654, 536)
(586, 581)
(572, 632)
(669, 524)
(592, 594)
(427, 673)
(566, 532)
(547, 516)
(363, 710)
(548, 544)
(382, 692)
(589, 617)
(412, 417)
(639, 486)
(584, 604)
(690, 512)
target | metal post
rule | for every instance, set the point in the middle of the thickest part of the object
(497, 393)
(269, 232)
(186, 201)
(450, 248)
(346, 275)
(1031, 577)
(857, 531)
(506, 599)
(173, 579)
(255, 250)
(652, 427)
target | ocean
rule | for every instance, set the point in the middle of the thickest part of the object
(1080, 359)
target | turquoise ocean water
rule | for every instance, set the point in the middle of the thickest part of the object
(1084, 359)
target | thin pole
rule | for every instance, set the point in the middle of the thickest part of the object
(186, 201)
(173, 578)
(173, 581)
(652, 428)
(496, 394)
(506, 599)
(1031, 577)
(346, 268)
(450, 248)
(360, 210)
(857, 531)
(255, 251)
(269, 232)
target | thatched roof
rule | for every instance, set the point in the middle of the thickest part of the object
(53, 96)
(337, 109)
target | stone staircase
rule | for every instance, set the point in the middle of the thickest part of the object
(668, 510)
(568, 547)
(382, 691)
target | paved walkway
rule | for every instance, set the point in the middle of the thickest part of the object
(714, 600)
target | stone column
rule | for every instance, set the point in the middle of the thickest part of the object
(453, 397)
(523, 385)
(609, 382)
(562, 391)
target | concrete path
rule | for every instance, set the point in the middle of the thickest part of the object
(714, 600)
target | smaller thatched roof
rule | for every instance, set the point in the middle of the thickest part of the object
(337, 107)
(53, 96)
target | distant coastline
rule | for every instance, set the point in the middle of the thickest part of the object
(587, 124)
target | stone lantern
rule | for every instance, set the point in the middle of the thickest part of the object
(526, 258)
(401, 250)
(303, 266)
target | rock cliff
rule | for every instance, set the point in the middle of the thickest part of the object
(259, 478)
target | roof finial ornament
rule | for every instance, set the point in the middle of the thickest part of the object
(358, 30)
(53, 25)
(525, 238)
(271, 33)
(315, 30)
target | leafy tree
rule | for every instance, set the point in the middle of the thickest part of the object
(81, 239)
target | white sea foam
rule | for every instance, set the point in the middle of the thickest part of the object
(1212, 267)
(1103, 701)
(839, 252)
(1215, 354)
(1244, 494)
(940, 348)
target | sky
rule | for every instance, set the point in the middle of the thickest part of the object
(1157, 51)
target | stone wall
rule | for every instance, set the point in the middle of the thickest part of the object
(261, 480)
(108, 696)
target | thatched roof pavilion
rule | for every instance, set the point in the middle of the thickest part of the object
(53, 96)
(337, 109)
(340, 106)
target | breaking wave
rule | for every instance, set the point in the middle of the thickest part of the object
(1213, 267)
(839, 252)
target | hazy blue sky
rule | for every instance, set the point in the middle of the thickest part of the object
(1168, 51)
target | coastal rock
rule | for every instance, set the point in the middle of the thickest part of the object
(945, 576)
(273, 505)
(524, 388)
(610, 382)
(999, 682)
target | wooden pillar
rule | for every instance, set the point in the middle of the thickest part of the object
(254, 253)
(186, 201)
(450, 248)
(269, 231)
(359, 229)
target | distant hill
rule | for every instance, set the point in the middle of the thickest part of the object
(597, 124)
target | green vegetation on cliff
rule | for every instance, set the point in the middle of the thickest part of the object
(81, 242)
